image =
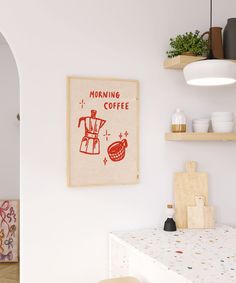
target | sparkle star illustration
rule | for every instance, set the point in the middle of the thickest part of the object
(105, 161)
(106, 135)
(120, 135)
(82, 103)
(126, 134)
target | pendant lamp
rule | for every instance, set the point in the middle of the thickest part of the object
(212, 71)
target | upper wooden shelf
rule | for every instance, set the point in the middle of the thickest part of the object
(179, 62)
(200, 136)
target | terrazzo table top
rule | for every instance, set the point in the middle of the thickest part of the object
(197, 255)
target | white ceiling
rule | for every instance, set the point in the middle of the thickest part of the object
(2, 39)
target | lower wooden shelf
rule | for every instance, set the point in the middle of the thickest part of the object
(200, 136)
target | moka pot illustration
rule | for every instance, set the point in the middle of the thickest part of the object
(90, 143)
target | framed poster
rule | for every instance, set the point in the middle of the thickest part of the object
(9, 230)
(102, 127)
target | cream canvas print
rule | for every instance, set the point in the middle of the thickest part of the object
(102, 127)
(9, 230)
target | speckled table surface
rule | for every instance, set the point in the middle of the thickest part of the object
(197, 255)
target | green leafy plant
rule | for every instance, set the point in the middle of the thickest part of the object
(190, 43)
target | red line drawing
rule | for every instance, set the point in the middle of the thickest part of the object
(126, 134)
(90, 143)
(6, 257)
(9, 243)
(2, 235)
(3, 213)
(12, 230)
(11, 215)
(120, 136)
(107, 135)
(116, 150)
(82, 103)
(105, 161)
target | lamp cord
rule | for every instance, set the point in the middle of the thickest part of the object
(211, 13)
(210, 54)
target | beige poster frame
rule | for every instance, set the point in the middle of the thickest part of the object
(68, 123)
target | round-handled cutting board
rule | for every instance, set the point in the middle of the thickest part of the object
(188, 185)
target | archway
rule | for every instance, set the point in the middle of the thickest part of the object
(9, 163)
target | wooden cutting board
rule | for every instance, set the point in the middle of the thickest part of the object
(188, 185)
(200, 216)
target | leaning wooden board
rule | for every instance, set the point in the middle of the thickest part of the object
(200, 216)
(188, 185)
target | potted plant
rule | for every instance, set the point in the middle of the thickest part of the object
(190, 43)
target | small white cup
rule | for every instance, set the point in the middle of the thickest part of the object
(200, 127)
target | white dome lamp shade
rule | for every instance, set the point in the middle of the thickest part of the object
(212, 71)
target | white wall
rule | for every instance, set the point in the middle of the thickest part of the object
(9, 125)
(64, 231)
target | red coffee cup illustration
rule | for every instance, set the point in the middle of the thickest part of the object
(116, 150)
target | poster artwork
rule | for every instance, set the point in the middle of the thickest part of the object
(102, 131)
(8, 231)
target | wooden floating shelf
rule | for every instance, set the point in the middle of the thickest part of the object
(179, 62)
(200, 136)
